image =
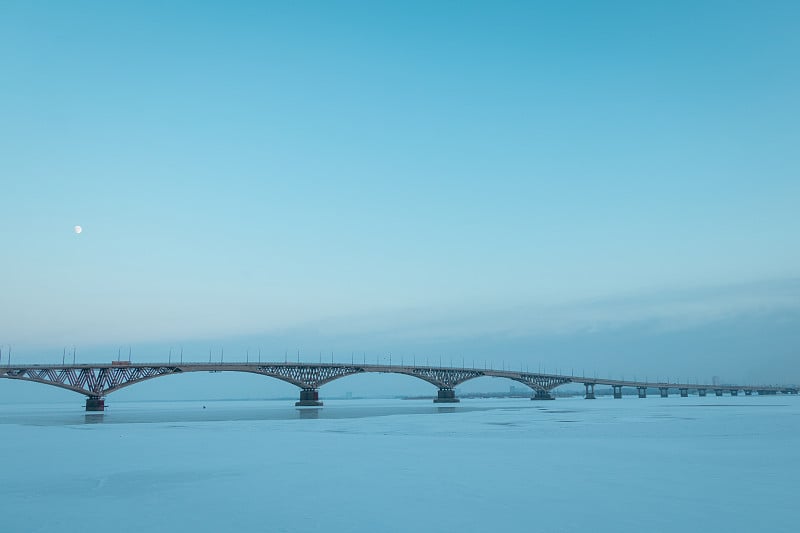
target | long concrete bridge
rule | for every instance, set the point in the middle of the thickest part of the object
(96, 381)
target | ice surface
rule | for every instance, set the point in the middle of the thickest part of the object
(675, 464)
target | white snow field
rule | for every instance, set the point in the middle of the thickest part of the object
(677, 464)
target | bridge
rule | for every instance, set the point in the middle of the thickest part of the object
(96, 381)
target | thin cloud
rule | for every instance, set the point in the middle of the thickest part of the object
(665, 309)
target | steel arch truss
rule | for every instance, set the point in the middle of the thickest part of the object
(88, 380)
(445, 378)
(540, 382)
(308, 376)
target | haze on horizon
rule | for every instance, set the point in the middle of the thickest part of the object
(605, 186)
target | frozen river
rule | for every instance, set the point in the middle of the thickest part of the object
(675, 464)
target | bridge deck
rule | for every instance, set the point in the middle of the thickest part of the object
(99, 379)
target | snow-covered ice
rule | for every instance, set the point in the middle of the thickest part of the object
(675, 464)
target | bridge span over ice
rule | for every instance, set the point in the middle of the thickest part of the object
(96, 381)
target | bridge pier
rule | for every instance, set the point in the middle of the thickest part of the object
(542, 395)
(95, 403)
(664, 392)
(589, 391)
(718, 392)
(617, 392)
(734, 392)
(701, 392)
(446, 395)
(309, 398)
(642, 392)
(748, 392)
(684, 393)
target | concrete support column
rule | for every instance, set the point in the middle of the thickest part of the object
(309, 398)
(718, 392)
(684, 393)
(95, 403)
(589, 391)
(642, 392)
(748, 392)
(617, 391)
(542, 395)
(734, 392)
(701, 392)
(446, 395)
(664, 392)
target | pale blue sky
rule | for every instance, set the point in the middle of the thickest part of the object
(352, 170)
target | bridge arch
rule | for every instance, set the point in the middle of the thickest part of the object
(493, 384)
(102, 381)
(62, 386)
(88, 380)
(390, 381)
(207, 385)
(443, 378)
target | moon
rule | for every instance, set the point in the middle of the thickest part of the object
(77, 229)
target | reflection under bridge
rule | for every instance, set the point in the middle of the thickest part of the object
(96, 381)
